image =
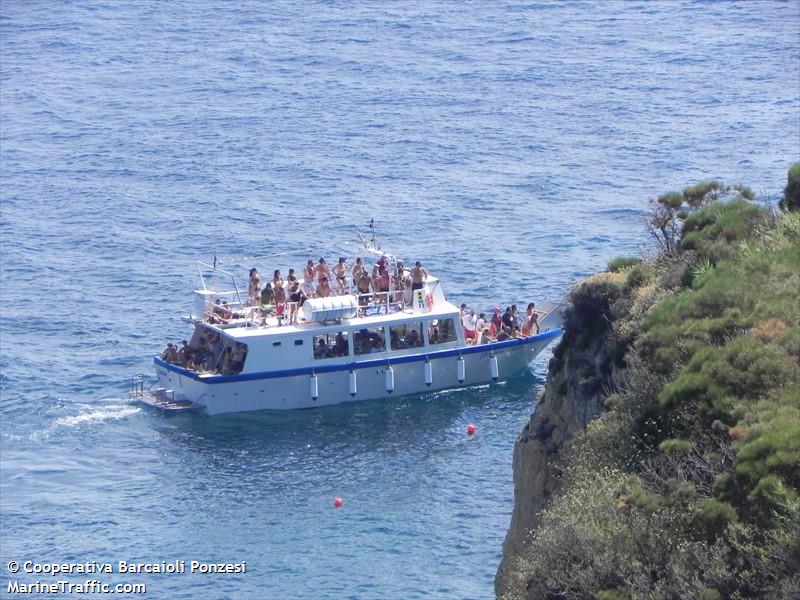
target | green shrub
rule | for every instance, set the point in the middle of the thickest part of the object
(623, 262)
(639, 275)
(674, 446)
(712, 517)
(791, 193)
(617, 593)
(710, 594)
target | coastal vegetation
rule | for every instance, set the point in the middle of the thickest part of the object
(687, 484)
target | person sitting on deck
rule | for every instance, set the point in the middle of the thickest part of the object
(394, 340)
(185, 354)
(202, 356)
(340, 347)
(170, 355)
(238, 354)
(321, 350)
(224, 362)
(324, 288)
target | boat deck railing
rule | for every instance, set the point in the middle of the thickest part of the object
(233, 314)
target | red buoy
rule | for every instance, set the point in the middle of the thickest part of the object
(338, 503)
(470, 429)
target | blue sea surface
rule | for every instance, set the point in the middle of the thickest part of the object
(512, 147)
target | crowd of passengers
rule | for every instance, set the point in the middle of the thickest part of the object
(208, 355)
(283, 297)
(509, 325)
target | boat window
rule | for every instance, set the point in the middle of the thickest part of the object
(442, 331)
(406, 335)
(331, 345)
(298, 342)
(276, 343)
(367, 341)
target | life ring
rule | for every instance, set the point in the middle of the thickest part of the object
(429, 300)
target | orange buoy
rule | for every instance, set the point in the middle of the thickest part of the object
(471, 429)
(338, 503)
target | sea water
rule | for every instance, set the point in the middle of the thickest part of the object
(511, 147)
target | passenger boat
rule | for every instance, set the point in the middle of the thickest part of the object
(337, 349)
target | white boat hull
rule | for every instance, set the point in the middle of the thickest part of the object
(215, 395)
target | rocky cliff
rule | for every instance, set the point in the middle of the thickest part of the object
(663, 459)
(579, 373)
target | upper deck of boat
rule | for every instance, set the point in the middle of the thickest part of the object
(377, 313)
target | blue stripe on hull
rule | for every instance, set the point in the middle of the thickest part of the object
(365, 364)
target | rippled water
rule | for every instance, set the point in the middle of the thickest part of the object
(511, 147)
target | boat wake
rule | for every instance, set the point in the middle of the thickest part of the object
(107, 413)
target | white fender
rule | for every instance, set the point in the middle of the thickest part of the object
(314, 387)
(353, 383)
(494, 369)
(428, 372)
(462, 370)
(389, 376)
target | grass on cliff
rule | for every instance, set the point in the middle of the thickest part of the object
(688, 485)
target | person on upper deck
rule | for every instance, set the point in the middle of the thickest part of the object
(267, 298)
(277, 280)
(296, 298)
(308, 278)
(380, 275)
(324, 288)
(340, 271)
(364, 286)
(322, 270)
(279, 293)
(359, 270)
(418, 276)
(254, 287)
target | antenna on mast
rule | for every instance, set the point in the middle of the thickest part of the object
(372, 231)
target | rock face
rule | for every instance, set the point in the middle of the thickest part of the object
(572, 398)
